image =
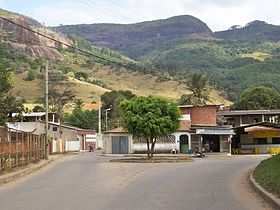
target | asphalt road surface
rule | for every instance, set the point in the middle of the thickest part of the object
(87, 181)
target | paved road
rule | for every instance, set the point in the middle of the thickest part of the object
(88, 181)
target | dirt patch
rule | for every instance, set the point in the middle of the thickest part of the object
(153, 160)
(245, 193)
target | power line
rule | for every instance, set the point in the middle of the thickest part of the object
(94, 5)
(68, 45)
(128, 9)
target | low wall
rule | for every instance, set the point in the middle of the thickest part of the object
(263, 147)
(158, 147)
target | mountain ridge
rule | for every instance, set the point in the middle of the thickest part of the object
(126, 37)
(98, 77)
(255, 30)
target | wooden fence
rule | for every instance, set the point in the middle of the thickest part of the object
(19, 148)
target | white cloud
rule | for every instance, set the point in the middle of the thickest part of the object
(217, 14)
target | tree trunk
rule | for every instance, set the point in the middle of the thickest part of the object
(148, 148)
(153, 148)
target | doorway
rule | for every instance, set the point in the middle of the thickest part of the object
(184, 144)
(211, 143)
(119, 144)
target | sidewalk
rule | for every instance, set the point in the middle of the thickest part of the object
(24, 171)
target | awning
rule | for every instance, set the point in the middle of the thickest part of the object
(213, 131)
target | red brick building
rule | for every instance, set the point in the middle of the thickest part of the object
(199, 128)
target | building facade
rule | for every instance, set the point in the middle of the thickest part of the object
(198, 128)
(257, 131)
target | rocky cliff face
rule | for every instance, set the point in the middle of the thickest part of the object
(22, 40)
(136, 40)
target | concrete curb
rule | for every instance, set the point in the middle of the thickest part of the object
(269, 197)
(141, 160)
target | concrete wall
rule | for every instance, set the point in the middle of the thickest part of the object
(107, 142)
(160, 147)
(264, 148)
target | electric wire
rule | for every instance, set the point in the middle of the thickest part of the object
(128, 9)
(94, 5)
(72, 47)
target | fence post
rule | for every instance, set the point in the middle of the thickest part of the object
(22, 147)
(28, 148)
(9, 145)
(16, 148)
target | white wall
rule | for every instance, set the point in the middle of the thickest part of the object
(158, 147)
(72, 145)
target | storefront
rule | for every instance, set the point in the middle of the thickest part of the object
(257, 138)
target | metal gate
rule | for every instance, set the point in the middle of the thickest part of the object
(119, 144)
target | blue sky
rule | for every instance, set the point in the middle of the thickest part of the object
(217, 14)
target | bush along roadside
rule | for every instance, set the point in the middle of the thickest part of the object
(267, 174)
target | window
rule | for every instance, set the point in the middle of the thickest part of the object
(256, 120)
(276, 140)
(260, 141)
(54, 129)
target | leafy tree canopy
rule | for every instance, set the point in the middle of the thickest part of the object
(8, 103)
(112, 100)
(258, 98)
(86, 119)
(198, 84)
(150, 118)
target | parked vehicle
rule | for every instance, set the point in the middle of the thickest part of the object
(91, 148)
(197, 153)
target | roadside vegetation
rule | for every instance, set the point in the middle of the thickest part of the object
(267, 174)
(150, 118)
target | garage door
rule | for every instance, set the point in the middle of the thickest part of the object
(120, 144)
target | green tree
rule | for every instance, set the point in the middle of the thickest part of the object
(32, 74)
(8, 103)
(38, 108)
(258, 98)
(198, 84)
(86, 119)
(150, 118)
(112, 100)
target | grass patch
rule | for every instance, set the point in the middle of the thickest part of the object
(257, 56)
(267, 174)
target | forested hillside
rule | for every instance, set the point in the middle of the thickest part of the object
(256, 30)
(88, 72)
(136, 40)
(179, 46)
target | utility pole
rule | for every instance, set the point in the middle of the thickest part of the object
(99, 116)
(106, 121)
(47, 112)
(99, 135)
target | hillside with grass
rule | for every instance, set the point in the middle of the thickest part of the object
(180, 46)
(88, 74)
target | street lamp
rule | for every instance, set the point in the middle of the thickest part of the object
(106, 118)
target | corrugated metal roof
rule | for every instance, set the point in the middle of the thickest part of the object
(247, 112)
(264, 124)
(32, 114)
